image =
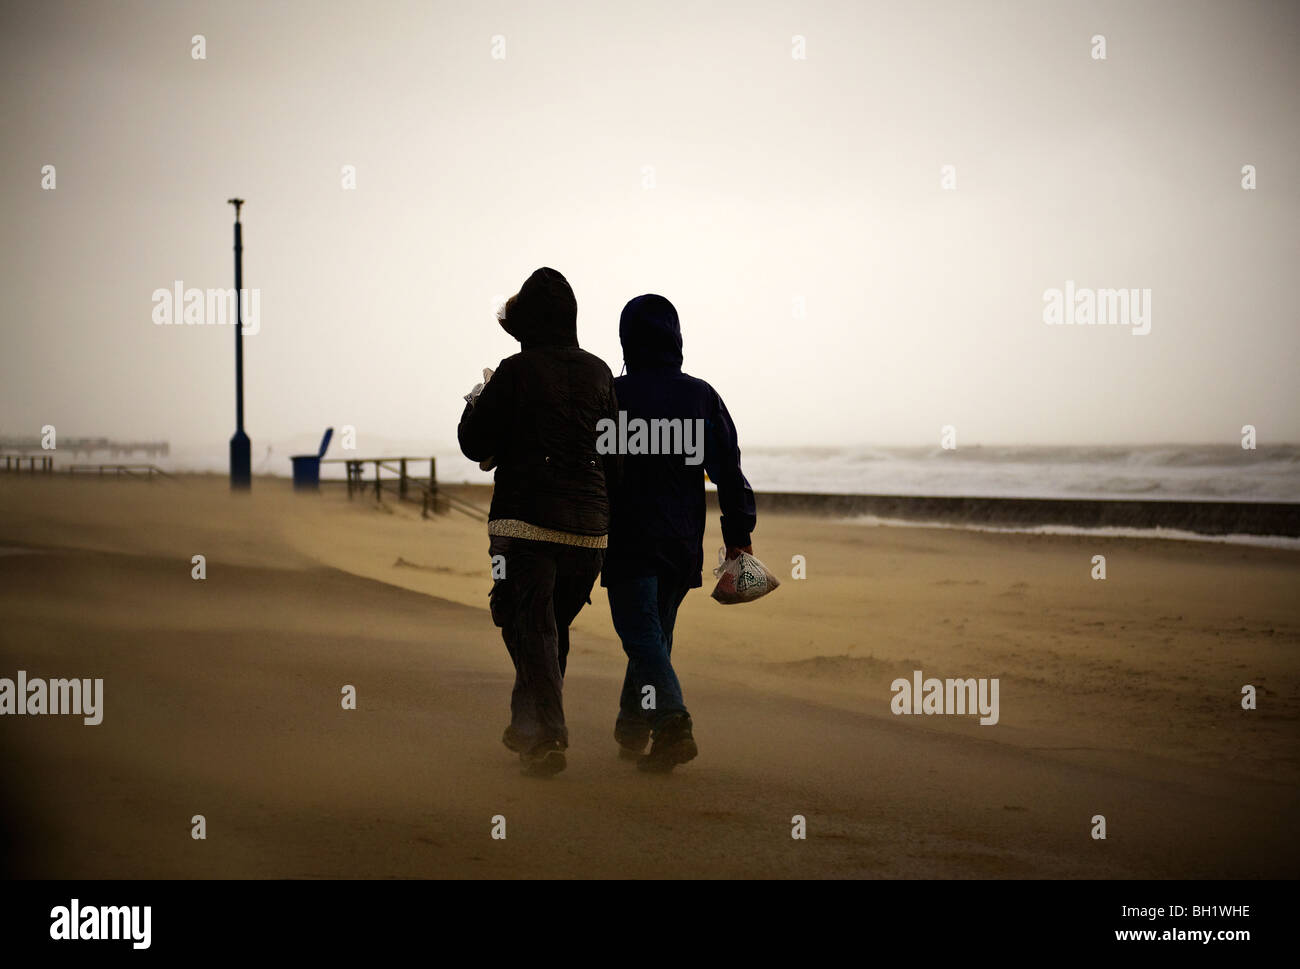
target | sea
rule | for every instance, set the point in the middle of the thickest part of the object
(1156, 472)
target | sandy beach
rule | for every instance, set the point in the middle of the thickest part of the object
(1118, 698)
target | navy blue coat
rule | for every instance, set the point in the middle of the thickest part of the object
(657, 509)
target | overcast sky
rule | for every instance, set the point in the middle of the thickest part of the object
(778, 182)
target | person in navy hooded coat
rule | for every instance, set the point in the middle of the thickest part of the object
(656, 535)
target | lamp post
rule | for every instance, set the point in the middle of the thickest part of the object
(241, 475)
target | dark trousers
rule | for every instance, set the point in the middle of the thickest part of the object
(545, 587)
(644, 611)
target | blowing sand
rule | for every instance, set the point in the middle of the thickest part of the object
(222, 698)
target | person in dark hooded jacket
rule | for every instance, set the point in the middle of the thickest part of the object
(655, 553)
(548, 525)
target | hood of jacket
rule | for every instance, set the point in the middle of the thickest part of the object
(651, 334)
(544, 313)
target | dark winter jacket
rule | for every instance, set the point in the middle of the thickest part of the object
(658, 508)
(537, 417)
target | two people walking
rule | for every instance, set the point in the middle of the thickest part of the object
(567, 509)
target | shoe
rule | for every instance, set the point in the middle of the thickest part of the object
(544, 760)
(632, 739)
(512, 740)
(673, 744)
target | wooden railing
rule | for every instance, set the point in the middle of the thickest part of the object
(356, 475)
(14, 463)
(44, 464)
(147, 471)
(406, 486)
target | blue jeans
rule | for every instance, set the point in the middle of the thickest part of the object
(644, 610)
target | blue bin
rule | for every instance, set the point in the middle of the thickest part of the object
(306, 467)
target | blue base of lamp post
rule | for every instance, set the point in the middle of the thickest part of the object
(241, 463)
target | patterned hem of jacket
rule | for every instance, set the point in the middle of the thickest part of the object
(513, 528)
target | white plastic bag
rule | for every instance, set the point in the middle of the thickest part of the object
(742, 579)
(472, 396)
